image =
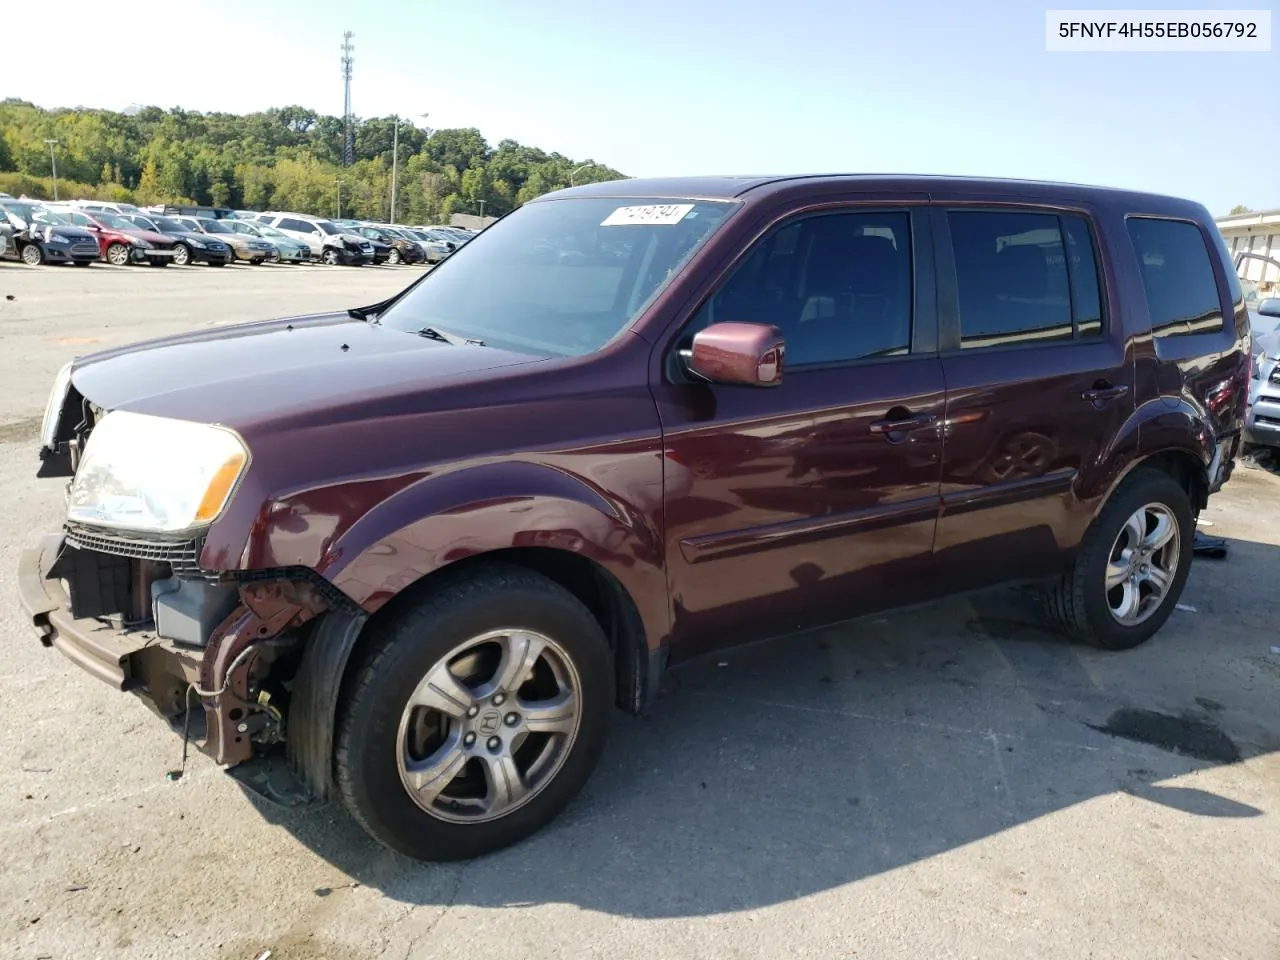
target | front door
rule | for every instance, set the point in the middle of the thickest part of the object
(1039, 382)
(810, 502)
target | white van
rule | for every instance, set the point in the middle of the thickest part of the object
(102, 206)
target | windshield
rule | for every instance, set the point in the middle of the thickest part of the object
(326, 227)
(559, 277)
(240, 226)
(165, 225)
(214, 226)
(265, 231)
(116, 222)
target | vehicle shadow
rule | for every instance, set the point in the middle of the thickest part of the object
(807, 762)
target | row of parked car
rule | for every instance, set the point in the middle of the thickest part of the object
(84, 232)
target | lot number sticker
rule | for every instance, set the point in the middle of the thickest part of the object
(657, 213)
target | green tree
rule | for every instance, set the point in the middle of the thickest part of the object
(1239, 208)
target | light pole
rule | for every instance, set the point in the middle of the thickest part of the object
(395, 157)
(481, 202)
(338, 181)
(574, 172)
(53, 162)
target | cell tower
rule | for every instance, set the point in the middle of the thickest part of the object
(348, 122)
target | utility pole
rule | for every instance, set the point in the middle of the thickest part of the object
(338, 181)
(481, 202)
(348, 122)
(395, 157)
(53, 162)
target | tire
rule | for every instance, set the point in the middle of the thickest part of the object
(330, 257)
(118, 255)
(32, 254)
(1080, 604)
(181, 254)
(375, 726)
(393, 257)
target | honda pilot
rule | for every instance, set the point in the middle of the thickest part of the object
(413, 553)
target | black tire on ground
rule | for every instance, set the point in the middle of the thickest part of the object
(118, 254)
(1077, 602)
(181, 254)
(401, 651)
(32, 254)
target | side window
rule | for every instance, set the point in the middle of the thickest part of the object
(298, 225)
(838, 286)
(1024, 278)
(1182, 294)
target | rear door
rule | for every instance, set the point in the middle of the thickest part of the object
(815, 500)
(1039, 380)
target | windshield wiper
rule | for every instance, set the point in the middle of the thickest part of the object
(431, 333)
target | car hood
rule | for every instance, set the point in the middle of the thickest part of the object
(159, 239)
(300, 369)
(356, 239)
(196, 235)
(71, 233)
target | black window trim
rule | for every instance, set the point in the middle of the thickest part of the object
(1227, 308)
(924, 307)
(949, 343)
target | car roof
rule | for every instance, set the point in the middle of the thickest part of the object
(754, 187)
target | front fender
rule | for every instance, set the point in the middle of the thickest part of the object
(443, 518)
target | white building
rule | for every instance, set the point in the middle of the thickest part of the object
(1255, 232)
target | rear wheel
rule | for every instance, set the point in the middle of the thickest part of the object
(32, 254)
(181, 255)
(118, 254)
(1131, 567)
(475, 716)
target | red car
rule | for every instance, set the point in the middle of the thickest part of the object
(122, 242)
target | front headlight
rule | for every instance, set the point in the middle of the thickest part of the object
(154, 474)
(53, 409)
(199, 244)
(139, 242)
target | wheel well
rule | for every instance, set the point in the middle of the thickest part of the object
(599, 591)
(1186, 470)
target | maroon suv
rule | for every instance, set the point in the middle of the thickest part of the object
(415, 552)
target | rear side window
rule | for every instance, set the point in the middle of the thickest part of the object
(1182, 294)
(290, 224)
(1024, 278)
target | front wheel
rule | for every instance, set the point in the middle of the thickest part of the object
(118, 254)
(181, 255)
(32, 255)
(393, 257)
(330, 257)
(1131, 567)
(475, 715)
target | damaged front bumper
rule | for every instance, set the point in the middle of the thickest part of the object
(273, 662)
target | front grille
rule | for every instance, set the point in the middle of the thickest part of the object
(183, 556)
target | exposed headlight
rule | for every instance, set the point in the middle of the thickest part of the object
(199, 244)
(53, 409)
(139, 242)
(154, 474)
(51, 237)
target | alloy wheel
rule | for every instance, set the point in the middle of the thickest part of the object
(489, 726)
(1142, 564)
(32, 255)
(118, 254)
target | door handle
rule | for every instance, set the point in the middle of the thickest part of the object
(904, 424)
(1104, 393)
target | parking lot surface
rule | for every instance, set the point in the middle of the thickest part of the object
(947, 781)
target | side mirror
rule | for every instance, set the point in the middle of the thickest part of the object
(747, 354)
(1269, 307)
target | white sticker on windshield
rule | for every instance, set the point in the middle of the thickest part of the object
(659, 213)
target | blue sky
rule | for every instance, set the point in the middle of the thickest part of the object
(669, 87)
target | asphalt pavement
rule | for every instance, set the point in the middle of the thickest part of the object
(951, 781)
